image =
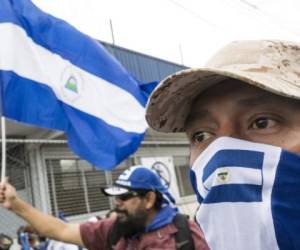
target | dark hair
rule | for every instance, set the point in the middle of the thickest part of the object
(158, 200)
(158, 195)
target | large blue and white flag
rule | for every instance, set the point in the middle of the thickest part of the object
(249, 195)
(56, 77)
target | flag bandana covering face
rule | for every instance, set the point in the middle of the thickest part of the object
(249, 194)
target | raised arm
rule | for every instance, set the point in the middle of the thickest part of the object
(45, 224)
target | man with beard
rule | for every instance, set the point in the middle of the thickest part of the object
(146, 214)
(241, 115)
(146, 211)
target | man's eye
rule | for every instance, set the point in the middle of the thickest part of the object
(201, 136)
(262, 123)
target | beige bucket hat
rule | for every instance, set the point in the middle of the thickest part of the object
(270, 65)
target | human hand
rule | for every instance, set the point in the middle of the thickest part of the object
(8, 194)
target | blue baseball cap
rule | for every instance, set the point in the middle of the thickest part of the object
(138, 177)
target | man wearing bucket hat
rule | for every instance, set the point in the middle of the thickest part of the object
(241, 116)
(147, 218)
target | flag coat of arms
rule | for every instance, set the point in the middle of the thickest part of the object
(54, 76)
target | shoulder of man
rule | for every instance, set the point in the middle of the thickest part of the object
(183, 237)
(94, 232)
(197, 235)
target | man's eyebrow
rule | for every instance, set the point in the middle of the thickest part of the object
(203, 114)
(262, 99)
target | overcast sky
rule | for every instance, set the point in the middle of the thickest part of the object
(187, 31)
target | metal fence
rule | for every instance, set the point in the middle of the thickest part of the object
(73, 185)
(18, 172)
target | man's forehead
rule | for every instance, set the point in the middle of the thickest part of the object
(240, 95)
(196, 114)
(243, 100)
(245, 94)
(200, 109)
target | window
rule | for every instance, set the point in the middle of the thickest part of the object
(181, 164)
(16, 165)
(74, 186)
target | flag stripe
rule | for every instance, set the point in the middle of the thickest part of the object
(195, 185)
(110, 146)
(234, 175)
(227, 158)
(35, 97)
(30, 106)
(80, 49)
(48, 68)
(286, 201)
(234, 193)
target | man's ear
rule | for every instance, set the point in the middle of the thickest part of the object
(150, 199)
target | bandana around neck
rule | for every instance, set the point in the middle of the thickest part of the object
(164, 217)
(249, 195)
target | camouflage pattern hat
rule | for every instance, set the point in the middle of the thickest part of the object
(271, 65)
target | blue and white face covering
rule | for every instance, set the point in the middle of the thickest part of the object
(249, 194)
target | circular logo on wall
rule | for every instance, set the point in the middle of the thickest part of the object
(163, 171)
(71, 84)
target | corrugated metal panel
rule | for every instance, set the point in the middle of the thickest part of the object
(145, 68)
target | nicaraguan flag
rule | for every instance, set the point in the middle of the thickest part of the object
(249, 195)
(54, 76)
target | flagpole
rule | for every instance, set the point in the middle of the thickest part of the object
(112, 31)
(3, 144)
(181, 54)
(3, 133)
